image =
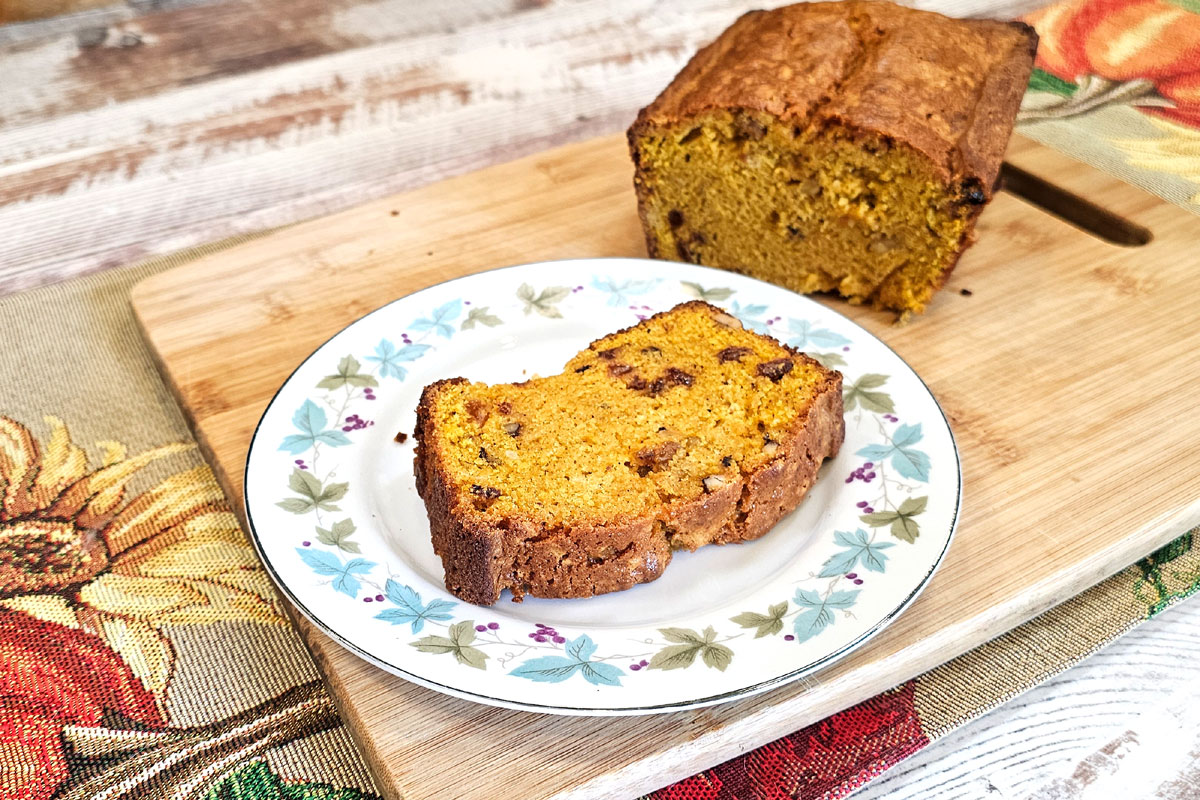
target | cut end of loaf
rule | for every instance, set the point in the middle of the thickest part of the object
(816, 211)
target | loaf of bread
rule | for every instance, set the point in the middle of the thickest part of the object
(682, 431)
(843, 147)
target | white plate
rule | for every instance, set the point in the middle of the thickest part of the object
(335, 514)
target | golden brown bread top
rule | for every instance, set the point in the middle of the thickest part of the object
(948, 88)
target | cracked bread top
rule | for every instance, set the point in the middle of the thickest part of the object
(947, 88)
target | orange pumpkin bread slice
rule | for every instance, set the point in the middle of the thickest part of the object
(681, 431)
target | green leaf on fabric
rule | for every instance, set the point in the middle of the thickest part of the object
(1042, 81)
(255, 781)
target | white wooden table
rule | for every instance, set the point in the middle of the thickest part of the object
(126, 133)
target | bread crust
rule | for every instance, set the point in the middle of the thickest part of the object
(482, 557)
(866, 65)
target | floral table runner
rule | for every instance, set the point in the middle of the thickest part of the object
(145, 654)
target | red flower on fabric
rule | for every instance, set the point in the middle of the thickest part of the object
(52, 676)
(828, 759)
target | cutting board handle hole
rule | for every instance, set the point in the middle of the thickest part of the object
(1073, 209)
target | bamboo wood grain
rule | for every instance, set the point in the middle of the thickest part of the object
(1069, 377)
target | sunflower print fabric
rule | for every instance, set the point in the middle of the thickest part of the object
(93, 580)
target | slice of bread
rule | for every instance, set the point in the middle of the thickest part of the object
(681, 431)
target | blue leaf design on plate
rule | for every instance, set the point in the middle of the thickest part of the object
(816, 615)
(842, 600)
(547, 669)
(399, 616)
(410, 608)
(310, 419)
(617, 294)
(324, 563)
(358, 566)
(347, 584)
(838, 564)
(908, 461)
(555, 669)
(804, 333)
(580, 649)
(320, 562)
(600, 674)
(442, 315)
(876, 452)
(860, 550)
(749, 314)
(389, 358)
(438, 608)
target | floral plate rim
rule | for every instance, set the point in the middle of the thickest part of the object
(758, 687)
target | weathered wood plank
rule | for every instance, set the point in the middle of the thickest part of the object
(216, 119)
(1125, 723)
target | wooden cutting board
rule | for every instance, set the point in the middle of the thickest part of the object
(1070, 374)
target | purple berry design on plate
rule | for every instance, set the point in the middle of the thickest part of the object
(865, 473)
(789, 638)
(356, 423)
(493, 626)
(640, 665)
(545, 633)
